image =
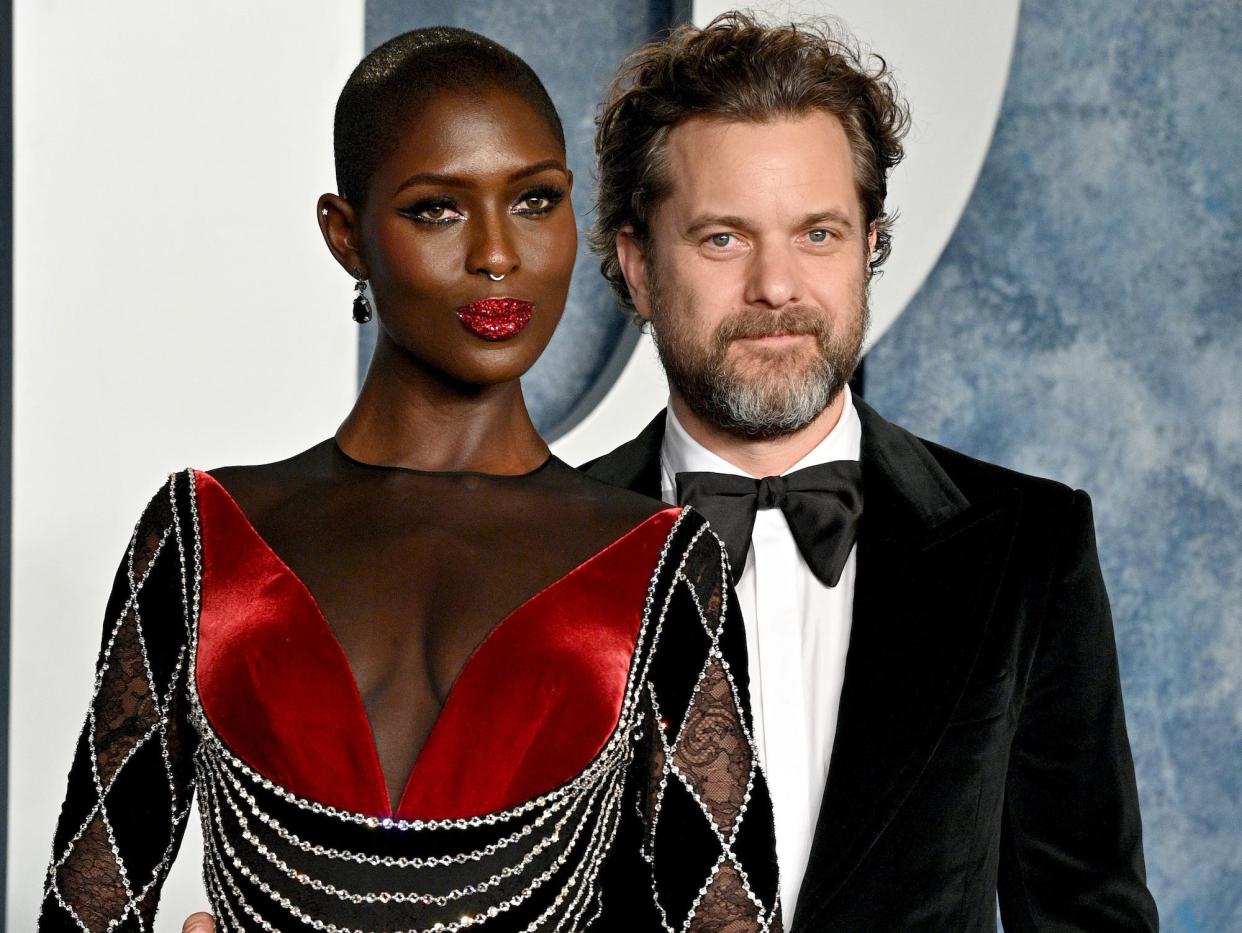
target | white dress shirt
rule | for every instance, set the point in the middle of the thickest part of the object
(797, 633)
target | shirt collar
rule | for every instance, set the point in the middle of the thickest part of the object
(681, 453)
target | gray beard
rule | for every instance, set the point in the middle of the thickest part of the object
(766, 408)
(782, 399)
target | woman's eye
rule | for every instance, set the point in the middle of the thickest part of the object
(538, 202)
(432, 212)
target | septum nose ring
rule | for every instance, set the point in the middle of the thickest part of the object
(494, 277)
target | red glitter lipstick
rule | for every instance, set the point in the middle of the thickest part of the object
(495, 318)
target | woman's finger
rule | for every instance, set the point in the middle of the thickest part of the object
(199, 923)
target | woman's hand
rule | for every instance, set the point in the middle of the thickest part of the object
(199, 923)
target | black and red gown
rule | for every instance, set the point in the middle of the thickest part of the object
(313, 648)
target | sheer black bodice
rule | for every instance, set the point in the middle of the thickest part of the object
(557, 666)
(412, 569)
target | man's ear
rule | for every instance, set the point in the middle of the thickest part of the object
(871, 238)
(632, 256)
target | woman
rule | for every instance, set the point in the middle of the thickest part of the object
(314, 645)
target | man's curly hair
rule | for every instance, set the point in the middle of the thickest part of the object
(739, 69)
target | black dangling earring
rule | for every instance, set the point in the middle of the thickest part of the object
(362, 307)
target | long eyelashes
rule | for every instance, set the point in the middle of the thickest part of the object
(441, 211)
(538, 201)
(436, 211)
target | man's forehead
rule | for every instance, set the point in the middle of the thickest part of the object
(783, 160)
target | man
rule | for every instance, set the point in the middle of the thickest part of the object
(934, 680)
(934, 683)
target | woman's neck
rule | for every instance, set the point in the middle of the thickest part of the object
(408, 416)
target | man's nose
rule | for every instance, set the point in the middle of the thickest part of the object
(492, 250)
(772, 276)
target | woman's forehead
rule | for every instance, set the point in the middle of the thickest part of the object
(475, 132)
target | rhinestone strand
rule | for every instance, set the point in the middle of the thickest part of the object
(399, 897)
(616, 781)
(213, 829)
(387, 861)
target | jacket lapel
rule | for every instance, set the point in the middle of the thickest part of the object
(635, 464)
(929, 566)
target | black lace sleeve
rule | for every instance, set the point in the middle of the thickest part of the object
(130, 783)
(710, 840)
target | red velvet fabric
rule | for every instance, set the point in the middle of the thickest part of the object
(535, 702)
(542, 693)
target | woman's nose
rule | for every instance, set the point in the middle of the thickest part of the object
(492, 250)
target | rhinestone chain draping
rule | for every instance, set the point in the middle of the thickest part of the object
(276, 861)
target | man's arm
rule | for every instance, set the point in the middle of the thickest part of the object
(1071, 845)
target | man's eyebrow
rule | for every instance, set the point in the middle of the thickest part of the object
(459, 181)
(703, 221)
(830, 216)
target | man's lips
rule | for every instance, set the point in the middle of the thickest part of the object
(776, 336)
(495, 318)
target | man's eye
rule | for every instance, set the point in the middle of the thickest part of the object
(721, 240)
(818, 236)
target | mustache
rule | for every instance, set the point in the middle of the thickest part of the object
(750, 323)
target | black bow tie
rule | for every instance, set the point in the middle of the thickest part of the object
(822, 505)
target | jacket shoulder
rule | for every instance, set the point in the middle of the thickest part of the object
(978, 479)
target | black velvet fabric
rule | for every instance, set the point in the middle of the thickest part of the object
(148, 796)
(981, 749)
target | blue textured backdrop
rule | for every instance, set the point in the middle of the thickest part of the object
(574, 47)
(1083, 323)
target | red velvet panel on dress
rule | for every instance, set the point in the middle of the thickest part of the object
(534, 704)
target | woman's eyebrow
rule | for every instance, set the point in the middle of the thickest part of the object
(537, 168)
(459, 181)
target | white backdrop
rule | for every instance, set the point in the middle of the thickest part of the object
(174, 304)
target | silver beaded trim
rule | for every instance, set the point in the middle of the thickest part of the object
(552, 825)
(766, 914)
(504, 860)
(157, 731)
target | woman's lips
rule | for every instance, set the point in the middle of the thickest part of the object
(495, 318)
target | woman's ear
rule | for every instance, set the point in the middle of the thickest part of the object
(338, 222)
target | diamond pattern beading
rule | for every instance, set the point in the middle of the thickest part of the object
(146, 745)
(711, 755)
(128, 714)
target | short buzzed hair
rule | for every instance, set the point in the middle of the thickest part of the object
(737, 68)
(389, 85)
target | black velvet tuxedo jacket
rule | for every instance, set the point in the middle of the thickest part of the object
(981, 745)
